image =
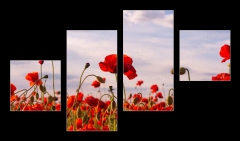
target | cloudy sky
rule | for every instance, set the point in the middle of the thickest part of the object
(199, 52)
(19, 69)
(148, 40)
(89, 46)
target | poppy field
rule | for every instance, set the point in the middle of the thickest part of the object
(36, 97)
(86, 112)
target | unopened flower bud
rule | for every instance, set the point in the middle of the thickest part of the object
(182, 70)
(172, 71)
(100, 79)
(111, 88)
(50, 99)
(58, 92)
(46, 76)
(87, 65)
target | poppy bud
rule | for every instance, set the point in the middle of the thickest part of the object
(79, 113)
(182, 70)
(130, 96)
(85, 119)
(113, 105)
(98, 116)
(87, 65)
(170, 100)
(111, 88)
(100, 79)
(58, 92)
(172, 71)
(46, 76)
(43, 89)
(55, 98)
(50, 99)
(32, 99)
(151, 103)
(37, 95)
(135, 100)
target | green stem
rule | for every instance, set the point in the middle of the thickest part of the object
(42, 95)
(21, 90)
(163, 91)
(229, 69)
(53, 79)
(114, 127)
(80, 80)
(124, 94)
(188, 74)
(53, 83)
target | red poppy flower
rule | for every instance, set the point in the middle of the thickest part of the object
(162, 104)
(13, 88)
(71, 128)
(155, 99)
(139, 83)
(33, 77)
(129, 70)
(225, 52)
(13, 98)
(106, 128)
(91, 101)
(145, 100)
(109, 64)
(37, 107)
(169, 108)
(79, 122)
(108, 103)
(40, 62)
(126, 105)
(154, 88)
(95, 84)
(58, 107)
(221, 77)
(159, 95)
(71, 99)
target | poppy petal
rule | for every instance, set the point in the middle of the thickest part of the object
(28, 77)
(32, 83)
(131, 73)
(127, 59)
(104, 67)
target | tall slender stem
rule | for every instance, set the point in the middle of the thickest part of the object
(164, 92)
(229, 68)
(188, 74)
(53, 83)
(124, 93)
(42, 95)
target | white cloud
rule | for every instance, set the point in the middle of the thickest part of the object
(155, 16)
